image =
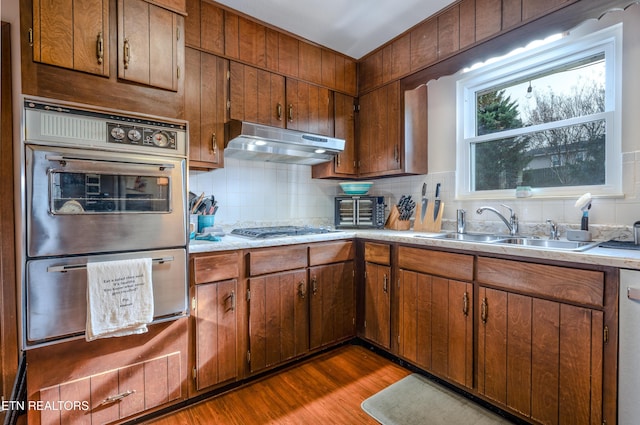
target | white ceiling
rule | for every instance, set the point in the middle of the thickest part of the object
(352, 27)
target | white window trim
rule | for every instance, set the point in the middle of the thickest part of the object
(531, 61)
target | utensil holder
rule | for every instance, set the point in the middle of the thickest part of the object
(393, 221)
(205, 221)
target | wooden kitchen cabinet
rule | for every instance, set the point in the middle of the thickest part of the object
(278, 306)
(72, 34)
(309, 107)
(377, 294)
(256, 96)
(332, 293)
(435, 314)
(206, 91)
(204, 26)
(149, 41)
(541, 338)
(344, 164)
(215, 315)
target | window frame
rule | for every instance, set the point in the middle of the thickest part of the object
(529, 62)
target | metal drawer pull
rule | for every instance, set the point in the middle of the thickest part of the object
(117, 397)
(465, 304)
(633, 293)
(52, 269)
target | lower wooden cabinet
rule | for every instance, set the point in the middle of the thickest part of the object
(113, 395)
(278, 318)
(541, 357)
(377, 293)
(331, 303)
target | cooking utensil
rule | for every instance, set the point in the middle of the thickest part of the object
(436, 205)
(424, 201)
(197, 203)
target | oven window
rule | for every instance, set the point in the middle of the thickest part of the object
(89, 193)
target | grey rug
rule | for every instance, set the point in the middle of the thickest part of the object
(414, 400)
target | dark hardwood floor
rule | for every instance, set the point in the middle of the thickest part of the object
(327, 389)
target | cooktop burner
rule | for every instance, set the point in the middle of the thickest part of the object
(277, 231)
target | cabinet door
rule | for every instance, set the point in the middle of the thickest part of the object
(377, 313)
(204, 26)
(256, 95)
(332, 303)
(309, 108)
(72, 34)
(541, 358)
(148, 44)
(435, 325)
(379, 147)
(278, 318)
(205, 108)
(216, 332)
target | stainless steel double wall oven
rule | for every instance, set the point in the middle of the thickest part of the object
(97, 185)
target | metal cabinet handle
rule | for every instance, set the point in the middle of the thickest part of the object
(214, 144)
(117, 397)
(338, 160)
(127, 53)
(290, 112)
(100, 48)
(314, 285)
(396, 154)
(279, 111)
(232, 297)
(484, 311)
(385, 285)
(465, 304)
(301, 289)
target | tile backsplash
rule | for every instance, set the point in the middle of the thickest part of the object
(254, 193)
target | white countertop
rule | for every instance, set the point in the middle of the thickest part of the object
(621, 258)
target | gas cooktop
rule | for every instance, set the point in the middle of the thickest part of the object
(278, 231)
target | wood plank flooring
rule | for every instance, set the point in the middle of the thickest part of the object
(328, 389)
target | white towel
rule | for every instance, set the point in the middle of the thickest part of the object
(119, 298)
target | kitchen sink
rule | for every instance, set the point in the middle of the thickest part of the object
(471, 237)
(548, 244)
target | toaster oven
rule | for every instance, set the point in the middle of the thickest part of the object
(359, 212)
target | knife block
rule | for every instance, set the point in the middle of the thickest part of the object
(429, 224)
(393, 221)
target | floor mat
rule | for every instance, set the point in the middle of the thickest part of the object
(414, 400)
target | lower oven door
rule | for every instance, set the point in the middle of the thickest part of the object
(55, 300)
(82, 201)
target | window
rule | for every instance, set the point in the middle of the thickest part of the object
(546, 117)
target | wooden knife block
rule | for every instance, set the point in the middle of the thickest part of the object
(429, 224)
(393, 221)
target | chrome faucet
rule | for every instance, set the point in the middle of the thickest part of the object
(553, 229)
(512, 223)
(461, 221)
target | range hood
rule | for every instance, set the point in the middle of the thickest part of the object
(246, 140)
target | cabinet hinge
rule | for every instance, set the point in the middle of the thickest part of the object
(365, 323)
(248, 295)
(249, 356)
(365, 275)
(228, 75)
(398, 339)
(194, 303)
(356, 108)
(229, 105)
(606, 334)
(194, 372)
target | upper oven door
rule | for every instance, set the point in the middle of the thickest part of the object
(86, 201)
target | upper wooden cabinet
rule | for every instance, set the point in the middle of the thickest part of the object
(204, 26)
(309, 107)
(206, 91)
(72, 34)
(148, 50)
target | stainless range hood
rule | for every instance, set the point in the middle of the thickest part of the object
(246, 140)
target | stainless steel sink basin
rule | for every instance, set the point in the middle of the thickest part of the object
(548, 244)
(471, 237)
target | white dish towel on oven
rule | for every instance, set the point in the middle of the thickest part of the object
(119, 298)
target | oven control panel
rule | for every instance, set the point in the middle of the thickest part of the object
(125, 134)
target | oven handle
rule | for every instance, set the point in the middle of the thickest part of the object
(62, 269)
(62, 159)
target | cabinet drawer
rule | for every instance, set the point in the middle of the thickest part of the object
(327, 253)
(377, 253)
(114, 394)
(560, 283)
(277, 259)
(213, 268)
(446, 264)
